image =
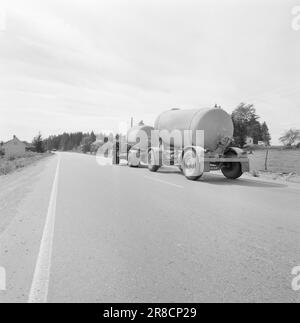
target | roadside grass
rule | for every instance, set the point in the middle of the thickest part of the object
(282, 164)
(11, 164)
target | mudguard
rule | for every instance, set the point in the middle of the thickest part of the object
(200, 153)
(240, 153)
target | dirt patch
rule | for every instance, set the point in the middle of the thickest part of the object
(276, 176)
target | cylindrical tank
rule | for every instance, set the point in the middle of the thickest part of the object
(139, 136)
(216, 124)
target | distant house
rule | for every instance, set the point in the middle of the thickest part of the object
(261, 144)
(14, 148)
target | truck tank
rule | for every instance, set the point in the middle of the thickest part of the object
(136, 136)
(216, 124)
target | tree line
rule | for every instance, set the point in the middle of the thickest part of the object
(245, 120)
(69, 141)
(77, 141)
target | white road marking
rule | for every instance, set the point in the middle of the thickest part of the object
(40, 283)
(2, 279)
(162, 181)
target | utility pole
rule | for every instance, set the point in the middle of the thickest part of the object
(131, 123)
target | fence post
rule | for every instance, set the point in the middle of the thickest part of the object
(266, 160)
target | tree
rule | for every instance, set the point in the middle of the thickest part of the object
(71, 141)
(38, 144)
(1, 149)
(244, 113)
(254, 130)
(65, 143)
(246, 124)
(243, 117)
(290, 137)
(86, 144)
(239, 135)
(266, 137)
(93, 137)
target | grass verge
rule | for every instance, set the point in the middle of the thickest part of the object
(11, 164)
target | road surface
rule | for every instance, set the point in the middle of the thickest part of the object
(116, 234)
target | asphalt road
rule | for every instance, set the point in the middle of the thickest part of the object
(116, 234)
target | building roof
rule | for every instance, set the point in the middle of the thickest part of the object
(14, 138)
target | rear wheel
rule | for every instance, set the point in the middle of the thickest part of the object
(191, 165)
(232, 170)
(133, 160)
(151, 162)
(133, 166)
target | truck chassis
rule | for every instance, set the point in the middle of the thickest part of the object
(193, 161)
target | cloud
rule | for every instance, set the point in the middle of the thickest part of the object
(73, 65)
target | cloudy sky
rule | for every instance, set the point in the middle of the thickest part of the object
(68, 65)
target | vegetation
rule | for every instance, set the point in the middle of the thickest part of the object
(1, 149)
(265, 134)
(279, 161)
(246, 124)
(11, 164)
(38, 144)
(290, 137)
(77, 141)
(86, 144)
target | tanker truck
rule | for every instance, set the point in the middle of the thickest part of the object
(196, 141)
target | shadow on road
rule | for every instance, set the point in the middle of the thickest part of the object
(219, 180)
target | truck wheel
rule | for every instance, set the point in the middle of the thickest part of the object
(133, 160)
(232, 170)
(151, 162)
(133, 166)
(191, 165)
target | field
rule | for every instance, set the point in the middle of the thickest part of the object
(8, 165)
(279, 161)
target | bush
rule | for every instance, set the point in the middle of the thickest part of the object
(38, 144)
(5, 168)
(20, 164)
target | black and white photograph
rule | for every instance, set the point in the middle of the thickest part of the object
(149, 154)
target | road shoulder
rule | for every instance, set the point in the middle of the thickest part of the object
(23, 211)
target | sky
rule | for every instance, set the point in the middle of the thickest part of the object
(83, 65)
